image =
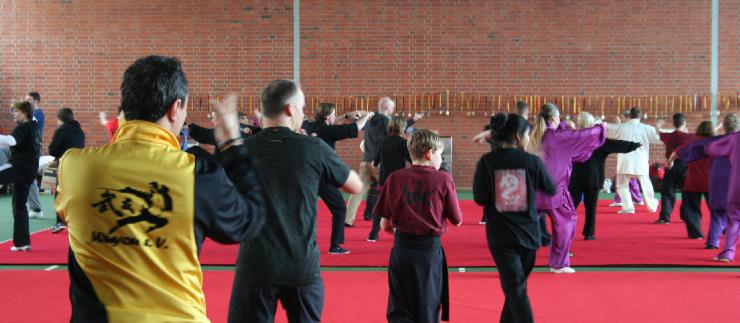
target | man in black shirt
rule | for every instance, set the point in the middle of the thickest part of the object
(68, 135)
(283, 261)
(25, 148)
(324, 127)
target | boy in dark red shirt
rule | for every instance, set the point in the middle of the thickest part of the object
(416, 202)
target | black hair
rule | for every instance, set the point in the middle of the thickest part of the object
(635, 113)
(150, 86)
(65, 115)
(36, 97)
(513, 125)
(679, 119)
(276, 95)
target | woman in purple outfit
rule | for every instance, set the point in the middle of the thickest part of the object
(549, 139)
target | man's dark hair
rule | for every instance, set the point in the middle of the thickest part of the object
(150, 86)
(635, 113)
(65, 115)
(36, 97)
(521, 107)
(276, 95)
(679, 119)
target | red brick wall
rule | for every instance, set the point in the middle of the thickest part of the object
(74, 53)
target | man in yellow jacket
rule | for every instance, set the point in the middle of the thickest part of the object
(139, 208)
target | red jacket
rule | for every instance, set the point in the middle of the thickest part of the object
(697, 175)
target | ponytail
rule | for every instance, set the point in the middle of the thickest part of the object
(540, 126)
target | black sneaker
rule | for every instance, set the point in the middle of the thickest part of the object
(338, 251)
(372, 238)
(367, 218)
(711, 247)
(661, 222)
(589, 238)
(57, 227)
(347, 225)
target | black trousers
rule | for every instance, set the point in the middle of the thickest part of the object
(22, 183)
(546, 236)
(691, 212)
(415, 282)
(302, 304)
(590, 198)
(673, 180)
(514, 264)
(334, 200)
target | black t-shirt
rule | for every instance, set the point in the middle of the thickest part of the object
(25, 154)
(505, 183)
(290, 168)
(330, 134)
(392, 156)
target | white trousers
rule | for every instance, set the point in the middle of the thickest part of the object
(648, 194)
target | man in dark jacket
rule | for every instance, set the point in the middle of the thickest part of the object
(68, 135)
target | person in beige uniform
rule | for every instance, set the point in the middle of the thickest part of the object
(636, 163)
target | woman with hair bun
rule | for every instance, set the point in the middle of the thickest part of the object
(506, 183)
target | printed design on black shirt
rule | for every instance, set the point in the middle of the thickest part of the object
(134, 206)
(511, 190)
(417, 197)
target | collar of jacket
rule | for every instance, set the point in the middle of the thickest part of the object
(146, 131)
(634, 121)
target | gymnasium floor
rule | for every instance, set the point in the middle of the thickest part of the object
(633, 272)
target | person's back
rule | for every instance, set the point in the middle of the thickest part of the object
(375, 131)
(140, 215)
(282, 263)
(635, 162)
(139, 209)
(290, 166)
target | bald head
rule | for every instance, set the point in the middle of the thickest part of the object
(386, 105)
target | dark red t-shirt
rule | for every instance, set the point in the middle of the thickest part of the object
(418, 199)
(673, 140)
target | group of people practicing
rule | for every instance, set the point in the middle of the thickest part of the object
(136, 233)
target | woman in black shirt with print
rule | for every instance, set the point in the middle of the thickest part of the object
(25, 147)
(505, 184)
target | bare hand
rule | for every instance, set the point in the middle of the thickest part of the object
(225, 119)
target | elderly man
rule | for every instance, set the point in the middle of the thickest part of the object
(375, 131)
(634, 164)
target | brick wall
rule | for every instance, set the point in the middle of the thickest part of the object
(74, 53)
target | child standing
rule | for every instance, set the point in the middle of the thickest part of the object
(505, 184)
(415, 202)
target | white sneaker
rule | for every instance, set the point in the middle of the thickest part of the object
(21, 248)
(35, 215)
(626, 211)
(564, 270)
(640, 203)
(615, 204)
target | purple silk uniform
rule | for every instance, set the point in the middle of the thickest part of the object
(718, 183)
(560, 148)
(729, 146)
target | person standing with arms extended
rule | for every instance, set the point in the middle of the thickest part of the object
(282, 263)
(559, 147)
(506, 182)
(25, 148)
(138, 209)
(324, 127)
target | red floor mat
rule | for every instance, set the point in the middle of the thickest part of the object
(360, 297)
(621, 240)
